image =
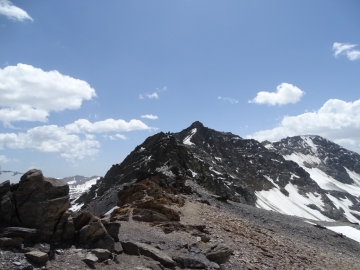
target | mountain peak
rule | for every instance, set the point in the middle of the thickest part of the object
(197, 124)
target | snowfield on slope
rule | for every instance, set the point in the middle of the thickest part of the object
(295, 204)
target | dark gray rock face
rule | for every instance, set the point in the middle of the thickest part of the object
(332, 158)
(36, 210)
(36, 202)
(225, 164)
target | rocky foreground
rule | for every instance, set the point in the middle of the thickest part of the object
(156, 227)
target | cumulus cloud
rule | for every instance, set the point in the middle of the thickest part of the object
(13, 12)
(227, 99)
(153, 95)
(4, 159)
(285, 93)
(347, 50)
(336, 120)
(30, 94)
(73, 141)
(108, 125)
(52, 139)
(150, 116)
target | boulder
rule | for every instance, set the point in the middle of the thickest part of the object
(136, 248)
(68, 235)
(7, 210)
(82, 219)
(219, 253)
(95, 235)
(195, 261)
(14, 242)
(118, 249)
(90, 260)
(41, 202)
(4, 188)
(101, 254)
(112, 229)
(24, 233)
(37, 257)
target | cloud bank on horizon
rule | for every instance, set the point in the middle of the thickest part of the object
(13, 12)
(336, 120)
(31, 94)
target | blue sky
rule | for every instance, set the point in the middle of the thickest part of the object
(84, 82)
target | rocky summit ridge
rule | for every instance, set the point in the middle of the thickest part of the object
(243, 170)
(196, 199)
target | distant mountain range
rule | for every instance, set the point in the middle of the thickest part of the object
(79, 185)
(306, 176)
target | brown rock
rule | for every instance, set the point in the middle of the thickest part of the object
(37, 257)
(14, 242)
(95, 235)
(102, 254)
(82, 219)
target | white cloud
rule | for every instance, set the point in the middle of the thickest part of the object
(13, 12)
(30, 94)
(286, 93)
(227, 99)
(153, 95)
(52, 139)
(161, 89)
(336, 120)
(120, 136)
(150, 116)
(346, 49)
(4, 159)
(65, 141)
(108, 125)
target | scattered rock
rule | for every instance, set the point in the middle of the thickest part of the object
(136, 248)
(37, 257)
(219, 253)
(90, 260)
(118, 249)
(102, 254)
(112, 229)
(195, 261)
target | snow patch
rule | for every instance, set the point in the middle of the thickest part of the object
(212, 169)
(354, 176)
(111, 210)
(187, 140)
(347, 231)
(165, 169)
(344, 204)
(295, 204)
(310, 142)
(76, 207)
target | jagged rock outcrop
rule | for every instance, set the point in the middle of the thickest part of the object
(148, 201)
(35, 202)
(36, 210)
